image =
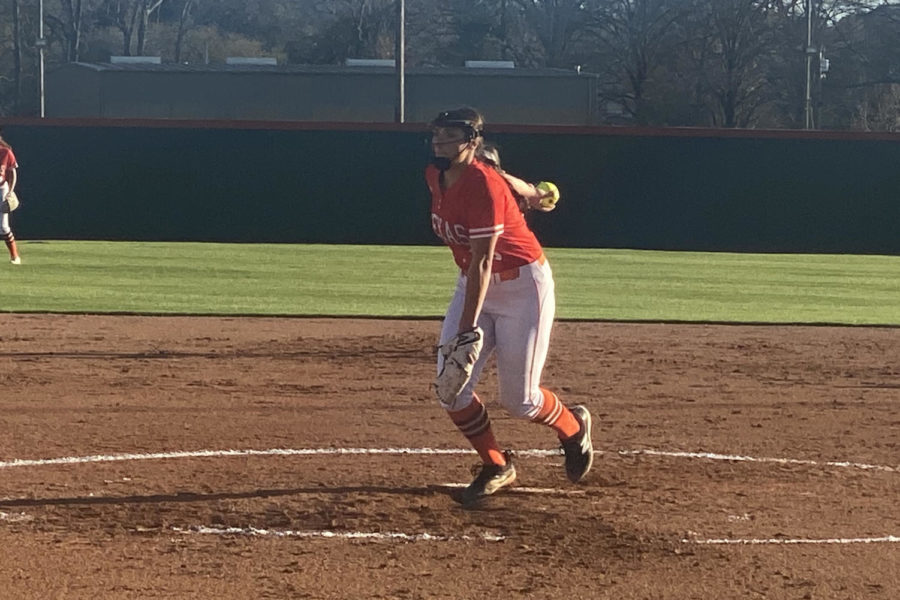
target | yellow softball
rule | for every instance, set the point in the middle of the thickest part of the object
(546, 187)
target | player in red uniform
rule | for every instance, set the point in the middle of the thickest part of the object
(504, 295)
(8, 168)
(527, 195)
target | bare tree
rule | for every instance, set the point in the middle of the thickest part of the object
(743, 41)
(730, 63)
(785, 65)
(633, 35)
(130, 16)
(182, 27)
(354, 28)
(878, 109)
(71, 27)
(147, 7)
(556, 23)
(861, 89)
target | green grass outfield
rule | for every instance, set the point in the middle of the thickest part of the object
(415, 281)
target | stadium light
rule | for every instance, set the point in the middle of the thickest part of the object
(400, 62)
(41, 43)
(810, 52)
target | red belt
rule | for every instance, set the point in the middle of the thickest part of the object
(510, 274)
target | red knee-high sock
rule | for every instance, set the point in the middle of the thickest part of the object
(554, 414)
(474, 423)
(11, 244)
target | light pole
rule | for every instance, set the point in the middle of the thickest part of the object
(41, 43)
(810, 51)
(400, 63)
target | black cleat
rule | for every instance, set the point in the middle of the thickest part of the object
(578, 449)
(490, 480)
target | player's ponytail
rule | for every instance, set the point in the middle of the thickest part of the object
(489, 154)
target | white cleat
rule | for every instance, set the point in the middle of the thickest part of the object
(16, 261)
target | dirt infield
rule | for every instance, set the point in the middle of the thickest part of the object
(733, 462)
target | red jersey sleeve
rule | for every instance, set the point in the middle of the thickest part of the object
(486, 206)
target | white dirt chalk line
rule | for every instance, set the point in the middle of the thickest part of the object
(15, 517)
(98, 458)
(782, 461)
(887, 539)
(348, 535)
(524, 490)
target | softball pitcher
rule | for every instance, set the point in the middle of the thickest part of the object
(8, 168)
(504, 303)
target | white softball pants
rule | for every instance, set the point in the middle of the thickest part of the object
(4, 217)
(517, 317)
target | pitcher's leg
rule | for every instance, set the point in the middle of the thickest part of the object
(521, 353)
(467, 411)
(522, 344)
(475, 424)
(471, 416)
(449, 329)
(9, 238)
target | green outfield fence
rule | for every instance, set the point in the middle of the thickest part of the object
(674, 189)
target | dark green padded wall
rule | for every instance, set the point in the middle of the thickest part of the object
(671, 191)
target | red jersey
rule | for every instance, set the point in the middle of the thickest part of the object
(7, 161)
(479, 205)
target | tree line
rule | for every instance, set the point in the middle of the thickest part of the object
(708, 63)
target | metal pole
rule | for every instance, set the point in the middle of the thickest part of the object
(400, 63)
(41, 44)
(809, 50)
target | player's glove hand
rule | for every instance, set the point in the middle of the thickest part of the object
(459, 356)
(10, 203)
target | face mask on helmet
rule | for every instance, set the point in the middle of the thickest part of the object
(445, 162)
(470, 132)
(442, 162)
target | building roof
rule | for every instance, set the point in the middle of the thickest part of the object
(325, 70)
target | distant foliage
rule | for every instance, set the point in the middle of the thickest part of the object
(717, 63)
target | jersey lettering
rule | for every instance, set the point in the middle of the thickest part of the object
(450, 234)
(480, 205)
